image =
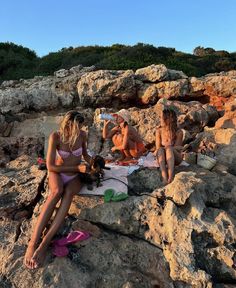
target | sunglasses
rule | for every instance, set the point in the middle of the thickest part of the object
(79, 118)
(76, 116)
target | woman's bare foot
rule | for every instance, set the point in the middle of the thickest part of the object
(28, 260)
(171, 178)
(40, 254)
(164, 182)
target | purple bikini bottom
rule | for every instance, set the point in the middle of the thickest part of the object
(67, 178)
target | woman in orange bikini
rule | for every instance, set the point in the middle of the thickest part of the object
(124, 137)
(65, 150)
(169, 144)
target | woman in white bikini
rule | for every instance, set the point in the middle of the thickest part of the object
(169, 144)
(65, 150)
(124, 137)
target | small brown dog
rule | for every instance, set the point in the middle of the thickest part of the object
(96, 173)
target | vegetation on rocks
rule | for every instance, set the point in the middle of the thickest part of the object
(19, 62)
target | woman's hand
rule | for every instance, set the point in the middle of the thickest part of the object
(59, 161)
(106, 122)
(113, 149)
(83, 168)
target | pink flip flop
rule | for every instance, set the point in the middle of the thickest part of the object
(60, 251)
(72, 237)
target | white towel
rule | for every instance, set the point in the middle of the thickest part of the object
(118, 172)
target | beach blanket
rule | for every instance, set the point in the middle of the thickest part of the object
(116, 178)
(119, 174)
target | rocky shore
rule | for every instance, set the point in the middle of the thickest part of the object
(181, 235)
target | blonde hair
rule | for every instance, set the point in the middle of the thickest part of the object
(69, 127)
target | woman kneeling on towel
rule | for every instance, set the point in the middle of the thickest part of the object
(65, 150)
(169, 140)
(124, 137)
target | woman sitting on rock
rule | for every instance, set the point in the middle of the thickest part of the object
(65, 150)
(169, 140)
(124, 137)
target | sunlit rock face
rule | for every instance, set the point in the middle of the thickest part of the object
(229, 118)
(105, 88)
(41, 93)
(179, 235)
(90, 88)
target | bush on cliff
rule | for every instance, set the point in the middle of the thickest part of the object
(19, 62)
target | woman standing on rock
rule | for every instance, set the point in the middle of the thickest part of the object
(124, 137)
(65, 150)
(169, 144)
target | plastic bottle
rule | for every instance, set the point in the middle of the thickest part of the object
(104, 116)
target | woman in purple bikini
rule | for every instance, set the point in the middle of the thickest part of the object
(65, 150)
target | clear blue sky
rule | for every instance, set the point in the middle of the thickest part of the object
(49, 25)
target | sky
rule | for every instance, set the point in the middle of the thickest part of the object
(49, 25)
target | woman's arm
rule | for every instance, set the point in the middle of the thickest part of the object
(86, 156)
(108, 134)
(51, 157)
(179, 140)
(125, 140)
(158, 140)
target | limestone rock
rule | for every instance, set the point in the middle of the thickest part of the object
(41, 93)
(147, 93)
(225, 141)
(175, 75)
(152, 73)
(217, 87)
(186, 225)
(172, 89)
(20, 184)
(144, 180)
(13, 147)
(103, 87)
(229, 118)
(95, 263)
(61, 73)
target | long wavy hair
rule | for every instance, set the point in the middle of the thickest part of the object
(70, 127)
(169, 119)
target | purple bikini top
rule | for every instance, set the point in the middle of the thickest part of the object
(65, 154)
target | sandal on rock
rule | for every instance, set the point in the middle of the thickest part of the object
(108, 193)
(60, 251)
(119, 197)
(72, 237)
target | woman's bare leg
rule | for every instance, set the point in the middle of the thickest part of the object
(117, 140)
(161, 159)
(135, 151)
(178, 156)
(72, 188)
(56, 190)
(128, 156)
(130, 152)
(170, 160)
